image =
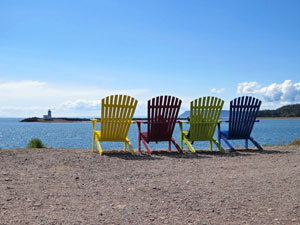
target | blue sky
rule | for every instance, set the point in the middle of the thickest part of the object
(67, 55)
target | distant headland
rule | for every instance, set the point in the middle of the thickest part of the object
(288, 111)
(284, 111)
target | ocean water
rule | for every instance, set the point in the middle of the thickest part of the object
(14, 134)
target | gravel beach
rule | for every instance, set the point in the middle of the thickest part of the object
(76, 186)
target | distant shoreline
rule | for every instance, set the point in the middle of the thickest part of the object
(55, 120)
(277, 118)
(73, 120)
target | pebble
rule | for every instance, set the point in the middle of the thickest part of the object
(121, 206)
(37, 204)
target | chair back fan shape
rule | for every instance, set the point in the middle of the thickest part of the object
(116, 115)
(204, 117)
(242, 116)
(162, 116)
(243, 112)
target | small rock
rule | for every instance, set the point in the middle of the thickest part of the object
(294, 220)
(121, 206)
(8, 179)
(271, 210)
(37, 204)
(76, 178)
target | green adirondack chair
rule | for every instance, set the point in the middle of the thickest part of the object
(204, 117)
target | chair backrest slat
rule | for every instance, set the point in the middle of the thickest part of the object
(162, 116)
(204, 116)
(243, 112)
(116, 115)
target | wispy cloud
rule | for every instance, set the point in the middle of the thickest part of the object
(284, 93)
(217, 91)
(29, 98)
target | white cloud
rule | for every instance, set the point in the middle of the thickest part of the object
(79, 104)
(284, 93)
(33, 98)
(217, 91)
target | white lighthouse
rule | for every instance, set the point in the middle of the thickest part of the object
(49, 116)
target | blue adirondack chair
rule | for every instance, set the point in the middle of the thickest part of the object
(243, 112)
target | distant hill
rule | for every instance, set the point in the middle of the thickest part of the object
(224, 114)
(284, 111)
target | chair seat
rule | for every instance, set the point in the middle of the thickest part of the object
(112, 139)
(224, 132)
(230, 137)
(148, 139)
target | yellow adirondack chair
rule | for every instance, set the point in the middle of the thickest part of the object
(204, 117)
(116, 116)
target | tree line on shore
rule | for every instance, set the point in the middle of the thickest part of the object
(284, 111)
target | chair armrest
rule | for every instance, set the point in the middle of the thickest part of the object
(95, 120)
(140, 121)
(133, 122)
(94, 123)
(182, 121)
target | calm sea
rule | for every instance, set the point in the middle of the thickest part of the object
(14, 134)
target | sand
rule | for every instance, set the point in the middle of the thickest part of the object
(76, 186)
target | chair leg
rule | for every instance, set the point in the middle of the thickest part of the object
(146, 146)
(218, 145)
(219, 133)
(189, 144)
(169, 146)
(129, 145)
(93, 147)
(124, 146)
(176, 145)
(139, 137)
(227, 142)
(139, 142)
(99, 146)
(181, 140)
(246, 144)
(181, 136)
(255, 143)
(210, 146)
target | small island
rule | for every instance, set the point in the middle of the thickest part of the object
(55, 120)
(49, 119)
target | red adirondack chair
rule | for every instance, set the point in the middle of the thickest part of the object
(162, 117)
